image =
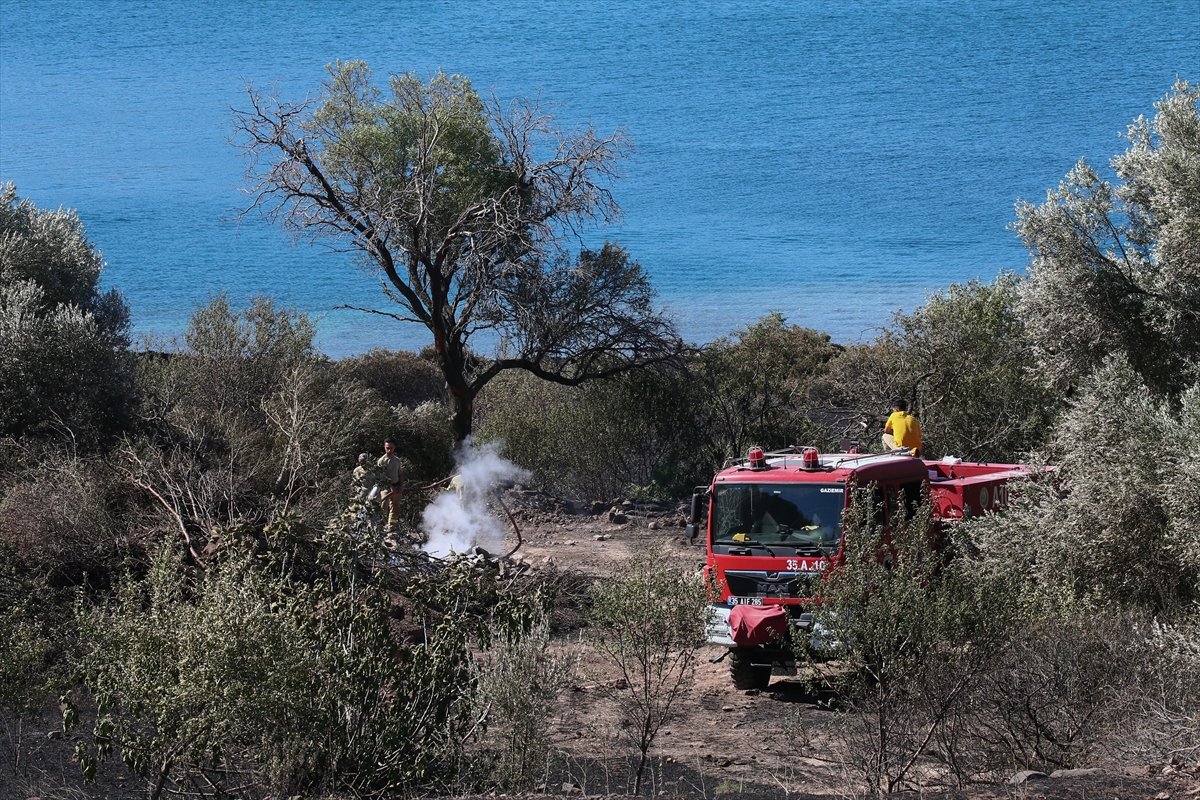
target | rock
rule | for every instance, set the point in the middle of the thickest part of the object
(598, 507)
(572, 788)
(600, 537)
(1026, 775)
(727, 708)
(1075, 773)
(617, 518)
(548, 560)
(1163, 796)
(569, 542)
(54, 735)
(626, 504)
(653, 525)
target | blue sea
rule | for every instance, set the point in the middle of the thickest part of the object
(832, 161)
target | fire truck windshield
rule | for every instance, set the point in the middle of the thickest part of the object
(804, 516)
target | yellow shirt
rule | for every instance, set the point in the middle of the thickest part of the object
(905, 429)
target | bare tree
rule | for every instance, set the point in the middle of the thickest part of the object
(464, 209)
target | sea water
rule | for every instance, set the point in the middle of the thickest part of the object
(834, 161)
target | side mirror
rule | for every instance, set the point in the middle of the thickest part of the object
(693, 530)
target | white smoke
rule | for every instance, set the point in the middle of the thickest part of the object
(459, 520)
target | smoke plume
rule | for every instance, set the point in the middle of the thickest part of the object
(459, 519)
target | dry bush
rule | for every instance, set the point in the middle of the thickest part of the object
(648, 623)
(1057, 695)
(61, 518)
(401, 378)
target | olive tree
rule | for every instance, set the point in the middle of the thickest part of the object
(965, 362)
(1116, 526)
(464, 210)
(64, 370)
(1114, 266)
(970, 357)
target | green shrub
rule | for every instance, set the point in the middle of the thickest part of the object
(659, 433)
(519, 682)
(265, 675)
(1117, 523)
(65, 374)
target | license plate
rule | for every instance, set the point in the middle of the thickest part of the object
(745, 601)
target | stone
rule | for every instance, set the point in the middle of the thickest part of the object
(1026, 775)
(1075, 773)
(617, 518)
(653, 525)
(572, 788)
(600, 537)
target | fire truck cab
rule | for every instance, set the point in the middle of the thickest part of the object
(774, 526)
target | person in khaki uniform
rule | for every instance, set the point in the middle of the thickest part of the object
(391, 478)
(364, 478)
(902, 430)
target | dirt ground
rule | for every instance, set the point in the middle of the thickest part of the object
(727, 744)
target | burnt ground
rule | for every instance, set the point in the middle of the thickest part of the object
(724, 743)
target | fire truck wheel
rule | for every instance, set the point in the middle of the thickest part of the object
(746, 674)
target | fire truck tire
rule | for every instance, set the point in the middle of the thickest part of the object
(746, 674)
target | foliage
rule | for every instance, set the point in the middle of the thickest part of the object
(1117, 524)
(915, 634)
(400, 377)
(25, 646)
(1063, 689)
(971, 364)
(519, 681)
(964, 361)
(1113, 268)
(648, 623)
(598, 440)
(65, 520)
(264, 674)
(464, 209)
(759, 387)
(64, 370)
(246, 423)
(659, 432)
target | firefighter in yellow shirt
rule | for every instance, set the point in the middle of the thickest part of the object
(902, 430)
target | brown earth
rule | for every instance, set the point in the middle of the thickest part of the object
(723, 743)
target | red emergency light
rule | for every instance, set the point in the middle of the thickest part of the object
(757, 458)
(810, 458)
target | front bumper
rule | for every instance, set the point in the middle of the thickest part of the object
(803, 626)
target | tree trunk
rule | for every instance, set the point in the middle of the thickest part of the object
(462, 410)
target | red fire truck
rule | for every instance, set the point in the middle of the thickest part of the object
(774, 527)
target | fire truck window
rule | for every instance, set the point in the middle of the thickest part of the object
(800, 516)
